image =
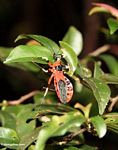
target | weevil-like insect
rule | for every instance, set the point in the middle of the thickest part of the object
(62, 84)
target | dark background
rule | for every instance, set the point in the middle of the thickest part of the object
(51, 18)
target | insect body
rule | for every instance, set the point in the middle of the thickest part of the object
(63, 86)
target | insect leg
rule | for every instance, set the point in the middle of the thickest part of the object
(44, 70)
(49, 81)
(46, 91)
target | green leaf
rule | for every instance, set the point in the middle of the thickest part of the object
(28, 139)
(24, 117)
(9, 138)
(83, 147)
(70, 56)
(83, 71)
(46, 42)
(101, 92)
(71, 148)
(113, 25)
(111, 63)
(97, 70)
(29, 53)
(74, 38)
(15, 110)
(57, 108)
(99, 125)
(113, 128)
(109, 78)
(7, 119)
(87, 147)
(58, 126)
(23, 127)
(111, 120)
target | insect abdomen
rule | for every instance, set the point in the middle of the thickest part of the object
(64, 89)
(69, 88)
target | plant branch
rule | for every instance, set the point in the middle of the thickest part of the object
(113, 101)
(69, 137)
(100, 50)
(72, 135)
(23, 98)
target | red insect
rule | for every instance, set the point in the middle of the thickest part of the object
(63, 86)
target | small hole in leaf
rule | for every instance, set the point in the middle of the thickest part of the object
(29, 120)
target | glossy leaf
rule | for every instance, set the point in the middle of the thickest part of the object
(32, 53)
(111, 62)
(58, 126)
(74, 38)
(15, 110)
(70, 56)
(101, 92)
(28, 139)
(99, 125)
(113, 128)
(23, 115)
(111, 120)
(7, 120)
(113, 25)
(46, 42)
(71, 148)
(109, 78)
(57, 108)
(8, 138)
(24, 127)
(83, 71)
(97, 70)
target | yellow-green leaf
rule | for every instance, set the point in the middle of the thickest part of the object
(70, 56)
(29, 53)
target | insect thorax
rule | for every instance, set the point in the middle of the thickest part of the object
(59, 68)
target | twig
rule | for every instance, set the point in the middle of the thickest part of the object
(23, 98)
(72, 135)
(68, 137)
(113, 102)
(100, 50)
